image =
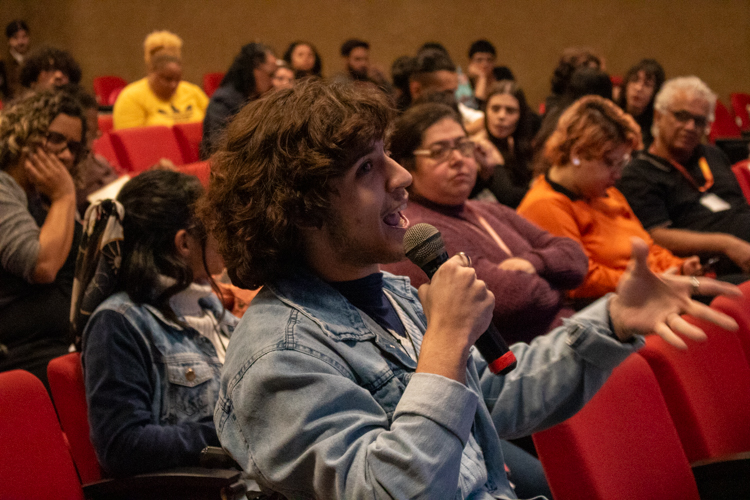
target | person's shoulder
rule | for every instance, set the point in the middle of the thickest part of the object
(541, 191)
(189, 88)
(9, 187)
(137, 86)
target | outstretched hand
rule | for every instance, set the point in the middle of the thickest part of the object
(646, 303)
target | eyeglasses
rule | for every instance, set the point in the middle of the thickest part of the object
(440, 151)
(685, 116)
(56, 143)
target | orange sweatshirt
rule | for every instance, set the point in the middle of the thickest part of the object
(603, 227)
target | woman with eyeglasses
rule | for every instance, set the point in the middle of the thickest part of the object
(576, 197)
(41, 142)
(526, 268)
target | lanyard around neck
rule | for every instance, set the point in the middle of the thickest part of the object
(705, 170)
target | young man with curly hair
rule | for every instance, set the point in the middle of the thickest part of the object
(342, 381)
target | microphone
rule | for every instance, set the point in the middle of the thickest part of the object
(424, 246)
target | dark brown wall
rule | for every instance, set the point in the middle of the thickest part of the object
(709, 38)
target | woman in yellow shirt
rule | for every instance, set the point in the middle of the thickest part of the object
(162, 97)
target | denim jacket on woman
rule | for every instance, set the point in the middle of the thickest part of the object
(151, 385)
(318, 401)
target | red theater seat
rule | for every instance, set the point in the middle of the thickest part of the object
(105, 123)
(724, 125)
(211, 82)
(105, 85)
(707, 391)
(741, 107)
(103, 146)
(142, 147)
(189, 137)
(200, 169)
(621, 446)
(741, 171)
(739, 309)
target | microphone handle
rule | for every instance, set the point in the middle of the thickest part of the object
(491, 345)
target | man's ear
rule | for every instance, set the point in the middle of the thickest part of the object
(415, 89)
(181, 243)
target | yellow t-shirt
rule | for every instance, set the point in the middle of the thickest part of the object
(138, 106)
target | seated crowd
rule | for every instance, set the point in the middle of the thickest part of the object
(341, 380)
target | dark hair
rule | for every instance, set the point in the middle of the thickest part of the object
(401, 70)
(46, 59)
(525, 129)
(653, 71)
(157, 203)
(272, 173)
(587, 81)
(436, 96)
(349, 45)
(15, 26)
(27, 120)
(85, 99)
(482, 46)
(572, 58)
(240, 74)
(409, 129)
(433, 46)
(317, 67)
(430, 61)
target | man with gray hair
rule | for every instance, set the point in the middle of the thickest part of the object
(684, 191)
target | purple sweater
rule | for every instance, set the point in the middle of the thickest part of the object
(526, 305)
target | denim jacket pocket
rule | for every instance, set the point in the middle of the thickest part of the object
(192, 388)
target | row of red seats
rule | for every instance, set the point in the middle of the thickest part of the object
(136, 149)
(108, 87)
(661, 411)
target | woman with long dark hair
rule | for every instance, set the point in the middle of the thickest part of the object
(640, 85)
(249, 76)
(154, 334)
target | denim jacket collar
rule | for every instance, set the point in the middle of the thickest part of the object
(330, 310)
(210, 302)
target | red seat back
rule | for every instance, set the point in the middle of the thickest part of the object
(723, 125)
(200, 169)
(707, 390)
(142, 147)
(739, 309)
(35, 462)
(741, 107)
(65, 376)
(105, 123)
(211, 82)
(741, 171)
(189, 137)
(621, 446)
(103, 146)
(104, 85)
(113, 96)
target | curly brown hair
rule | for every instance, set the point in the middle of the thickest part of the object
(593, 124)
(272, 173)
(24, 124)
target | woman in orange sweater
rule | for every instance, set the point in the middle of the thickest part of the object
(577, 198)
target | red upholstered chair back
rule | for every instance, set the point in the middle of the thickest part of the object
(741, 171)
(105, 123)
(739, 309)
(189, 137)
(211, 82)
(201, 169)
(65, 376)
(741, 107)
(35, 462)
(723, 125)
(104, 85)
(621, 446)
(142, 147)
(103, 146)
(707, 391)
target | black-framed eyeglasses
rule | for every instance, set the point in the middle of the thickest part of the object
(683, 116)
(56, 143)
(440, 151)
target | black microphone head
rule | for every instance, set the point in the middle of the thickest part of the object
(423, 244)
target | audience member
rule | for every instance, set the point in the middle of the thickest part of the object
(152, 350)
(356, 56)
(510, 126)
(482, 71)
(41, 141)
(577, 198)
(641, 84)
(17, 33)
(283, 76)
(48, 68)
(249, 76)
(401, 70)
(304, 59)
(162, 97)
(525, 268)
(338, 383)
(683, 191)
(572, 58)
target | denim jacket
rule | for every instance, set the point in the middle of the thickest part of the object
(151, 386)
(318, 401)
